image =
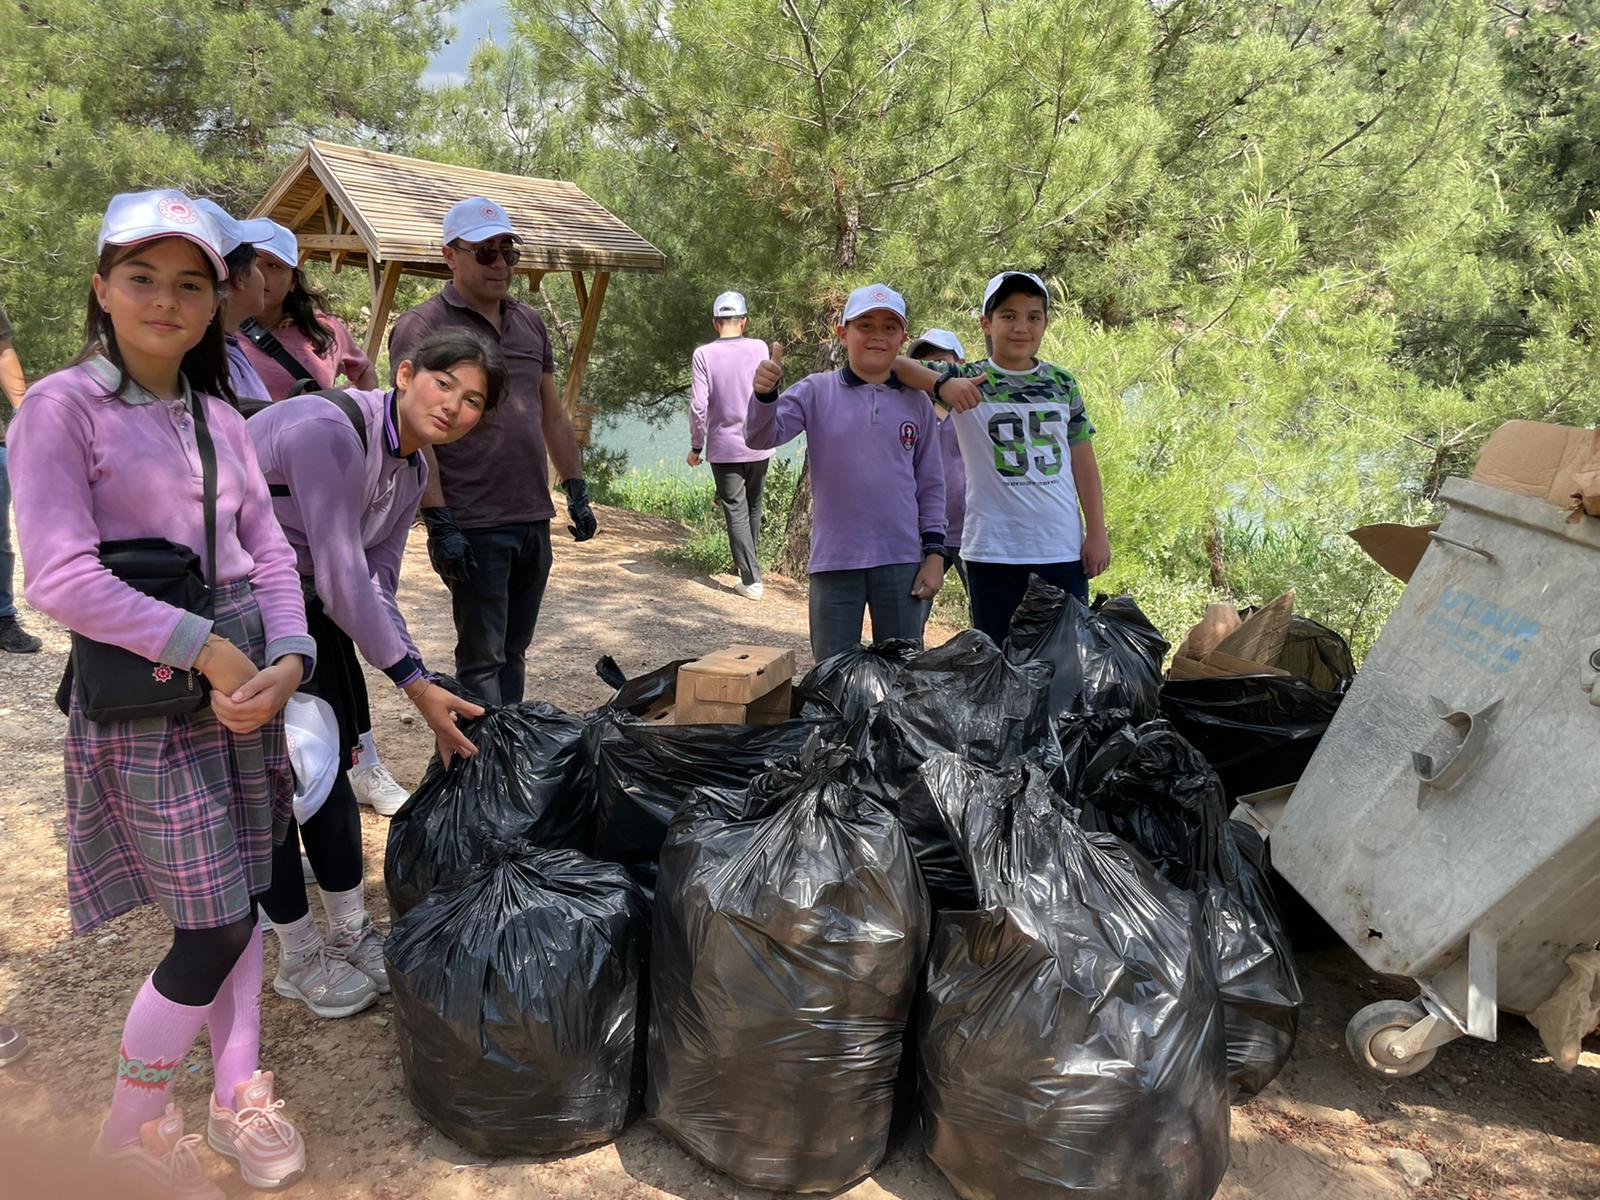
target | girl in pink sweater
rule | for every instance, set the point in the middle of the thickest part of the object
(181, 811)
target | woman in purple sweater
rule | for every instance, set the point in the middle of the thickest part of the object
(179, 811)
(345, 480)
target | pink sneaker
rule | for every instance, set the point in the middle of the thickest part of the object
(265, 1147)
(164, 1159)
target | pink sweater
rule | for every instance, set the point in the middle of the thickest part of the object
(88, 467)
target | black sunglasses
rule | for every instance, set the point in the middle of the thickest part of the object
(487, 254)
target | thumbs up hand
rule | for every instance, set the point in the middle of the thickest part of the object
(769, 375)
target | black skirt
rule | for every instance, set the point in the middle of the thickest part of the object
(338, 679)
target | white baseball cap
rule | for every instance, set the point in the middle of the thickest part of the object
(134, 217)
(282, 245)
(476, 219)
(874, 297)
(235, 233)
(729, 304)
(995, 283)
(312, 734)
(939, 339)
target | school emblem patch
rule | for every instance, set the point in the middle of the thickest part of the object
(490, 211)
(908, 435)
(175, 210)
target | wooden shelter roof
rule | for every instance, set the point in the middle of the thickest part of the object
(363, 207)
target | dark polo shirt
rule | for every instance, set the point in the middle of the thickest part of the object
(498, 474)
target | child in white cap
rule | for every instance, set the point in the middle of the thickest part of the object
(877, 484)
(1026, 442)
(178, 811)
(721, 373)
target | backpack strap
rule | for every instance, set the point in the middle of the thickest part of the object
(267, 342)
(352, 411)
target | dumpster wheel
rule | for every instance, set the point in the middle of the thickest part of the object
(1371, 1034)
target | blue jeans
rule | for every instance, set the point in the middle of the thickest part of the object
(840, 598)
(996, 589)
(8, 560)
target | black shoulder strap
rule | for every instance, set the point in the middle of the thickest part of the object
(208, 485)
(267, 342)
(352, 411)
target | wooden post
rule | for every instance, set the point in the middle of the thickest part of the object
(382, 302)
(583, 292)
(580, 354)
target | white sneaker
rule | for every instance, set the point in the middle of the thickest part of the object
(377, 789)
(362, 947)
(327, 985)
(751, 591)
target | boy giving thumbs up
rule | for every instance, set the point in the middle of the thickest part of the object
(877, 481)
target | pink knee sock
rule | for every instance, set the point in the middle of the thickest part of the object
(155, 1040)
(234, 1022)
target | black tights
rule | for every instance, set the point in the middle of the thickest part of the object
(333, 844)
(200, 961)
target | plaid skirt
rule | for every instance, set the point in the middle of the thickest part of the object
(176, 811)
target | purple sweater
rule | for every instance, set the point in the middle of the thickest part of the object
(955, 484)
(722, 371)
(877, 483)
(347, 516)
(88, 467)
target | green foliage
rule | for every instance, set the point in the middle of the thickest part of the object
(212, 96)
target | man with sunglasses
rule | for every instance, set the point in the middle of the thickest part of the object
(487, 504)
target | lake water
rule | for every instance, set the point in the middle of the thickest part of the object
(659, 447)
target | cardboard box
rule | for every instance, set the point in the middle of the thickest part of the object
(1552, 463)
(1223, 643)
(742, 685)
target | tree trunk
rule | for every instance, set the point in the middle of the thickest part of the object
(1219, 568)
(796, 553)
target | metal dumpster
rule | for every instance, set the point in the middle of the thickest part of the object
(1448, 826)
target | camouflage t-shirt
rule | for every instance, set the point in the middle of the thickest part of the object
(1022, 502)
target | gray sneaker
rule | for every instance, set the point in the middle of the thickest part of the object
(362, 947)
(327, 985)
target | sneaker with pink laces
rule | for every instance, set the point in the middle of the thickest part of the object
(266, 1148)
(164, 1159)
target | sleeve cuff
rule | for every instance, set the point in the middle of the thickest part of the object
(933, 542)
(767, 397)
(183, 647)
(696, 449)
(302, 644)
(407, 671)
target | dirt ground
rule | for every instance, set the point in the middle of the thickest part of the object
(1493, 1120)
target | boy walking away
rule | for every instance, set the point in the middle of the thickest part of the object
(722, 372)
(942, 346)
(877, 486)
(1025, 440)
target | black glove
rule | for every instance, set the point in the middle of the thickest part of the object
(583, 526)
(448, 548)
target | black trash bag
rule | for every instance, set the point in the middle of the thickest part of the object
(532, 779)
(1256, 731)
(854, 682)
(1080, 735)
(517, 1002)
(1155, 791)
(967, 698)
(1070, 1038)
(1256, 972)
(790, 928)
(1316, 653)
(1107, 656)
(644, 772)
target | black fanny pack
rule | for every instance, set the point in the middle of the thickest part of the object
(115, 684)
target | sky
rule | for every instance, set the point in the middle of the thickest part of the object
(473, 20)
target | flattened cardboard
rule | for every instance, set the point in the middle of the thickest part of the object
(1396, 548)
(1534, 459)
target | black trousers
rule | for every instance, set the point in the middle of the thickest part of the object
(739, 487)
(496, 609)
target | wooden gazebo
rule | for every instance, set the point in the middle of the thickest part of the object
(382, 213)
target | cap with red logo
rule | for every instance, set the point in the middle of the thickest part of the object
(476, 219)
(134, 217)
(875, 297)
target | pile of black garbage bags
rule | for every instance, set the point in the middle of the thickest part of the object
(1005, 872)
